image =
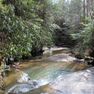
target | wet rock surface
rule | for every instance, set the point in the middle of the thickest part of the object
(75, 83)
(23, 88)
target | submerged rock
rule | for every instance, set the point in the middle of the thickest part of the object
(24, 77)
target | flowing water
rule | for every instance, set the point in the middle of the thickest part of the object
(56, 74)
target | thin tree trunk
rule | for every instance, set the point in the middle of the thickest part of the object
(84, 9)
(87, 8)
(92, 9)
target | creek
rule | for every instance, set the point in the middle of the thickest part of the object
(56, 72)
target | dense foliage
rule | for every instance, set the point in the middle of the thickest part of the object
(22, 27)
(79, 14)
(86, 39)
(26, 26)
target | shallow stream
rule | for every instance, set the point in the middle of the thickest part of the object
(57, 73)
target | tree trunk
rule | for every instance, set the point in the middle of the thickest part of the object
(84, 9)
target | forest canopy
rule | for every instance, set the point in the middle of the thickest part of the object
(26, 26)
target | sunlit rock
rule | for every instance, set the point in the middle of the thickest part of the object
(20, 89)
(26, 87)
(62, 58)
(75, 83)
